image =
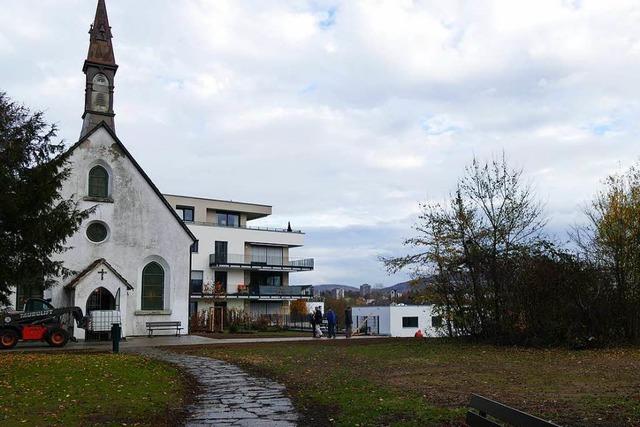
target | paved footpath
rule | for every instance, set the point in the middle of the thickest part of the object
(230, 396)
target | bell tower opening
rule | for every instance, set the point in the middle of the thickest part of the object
(100, 93)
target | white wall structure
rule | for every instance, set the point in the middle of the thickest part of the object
(311, 306)
(397, 320)
(141, 229)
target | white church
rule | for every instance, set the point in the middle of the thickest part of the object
(132, 254)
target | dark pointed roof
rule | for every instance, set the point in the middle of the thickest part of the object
(100, 47)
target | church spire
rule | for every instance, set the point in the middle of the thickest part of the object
(100, 68)
(100, 47)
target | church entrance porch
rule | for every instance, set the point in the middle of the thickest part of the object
(103, 310)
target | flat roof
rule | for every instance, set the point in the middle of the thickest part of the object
(216, 200)
(252, 210)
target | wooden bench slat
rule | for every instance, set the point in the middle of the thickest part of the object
(475, 420)
(164, 326)
(507, 414)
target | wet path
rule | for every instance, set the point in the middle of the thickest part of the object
(230, 396)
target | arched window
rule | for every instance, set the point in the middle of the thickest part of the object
(98, 182)
(100, 93)
(153, 287)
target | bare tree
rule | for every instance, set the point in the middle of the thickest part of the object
(467, 243)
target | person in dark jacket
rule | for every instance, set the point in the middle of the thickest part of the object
(317, 318)
(331, 322)
(348, 322)
(312, 320)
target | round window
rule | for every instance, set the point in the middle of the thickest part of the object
(97, 232)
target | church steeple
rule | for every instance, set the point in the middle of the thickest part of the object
(100, 69)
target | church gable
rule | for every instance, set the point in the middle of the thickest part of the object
(96, 272)
(103, 171)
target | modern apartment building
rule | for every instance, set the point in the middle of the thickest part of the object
(236, 265)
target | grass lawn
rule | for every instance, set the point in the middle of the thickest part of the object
(88, 389)
(409, 382)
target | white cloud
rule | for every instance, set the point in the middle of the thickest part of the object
(343, 114)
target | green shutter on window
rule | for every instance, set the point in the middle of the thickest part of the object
(98, 182)
(152, 287)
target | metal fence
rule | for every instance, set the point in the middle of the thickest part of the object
(204, 321)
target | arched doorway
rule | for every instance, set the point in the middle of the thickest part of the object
(99, 299)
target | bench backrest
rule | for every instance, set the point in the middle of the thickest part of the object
(501, 412)
(152, 324)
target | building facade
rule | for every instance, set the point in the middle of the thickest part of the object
(337, 293)
(238, 266)
(132, 255)
(365, 290)
(398, 320)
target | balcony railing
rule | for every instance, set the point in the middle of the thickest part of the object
(285, 290)
(246, 227)
(273, 263)
(266, 291)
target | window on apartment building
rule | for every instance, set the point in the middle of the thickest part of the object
(220, 281)
(196, 281)
(268, 255)
(436, 321)
(23, 293)
(265, 278)
(193, 308)
(185, 212)
(228, 219)
(410, 322)
(221, 252)
(194, 246)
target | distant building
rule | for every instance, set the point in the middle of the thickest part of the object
(337, 293)
(398, 320)
(365, 290)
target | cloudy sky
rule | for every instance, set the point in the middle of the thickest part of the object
(343, 115)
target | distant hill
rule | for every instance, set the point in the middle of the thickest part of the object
(399, 287)
(405, 286)
(331, 287)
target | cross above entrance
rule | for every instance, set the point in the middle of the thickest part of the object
(102, 273)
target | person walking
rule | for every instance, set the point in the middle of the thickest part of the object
(331, 321)
(348, 322)
(317, 317)
(312, 320)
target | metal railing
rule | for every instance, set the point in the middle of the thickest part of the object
(246, 227)
(294, 291)
(258, 262)
(263, 290)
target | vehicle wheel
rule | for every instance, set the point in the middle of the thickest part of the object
(8, 338)
(57, 337)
